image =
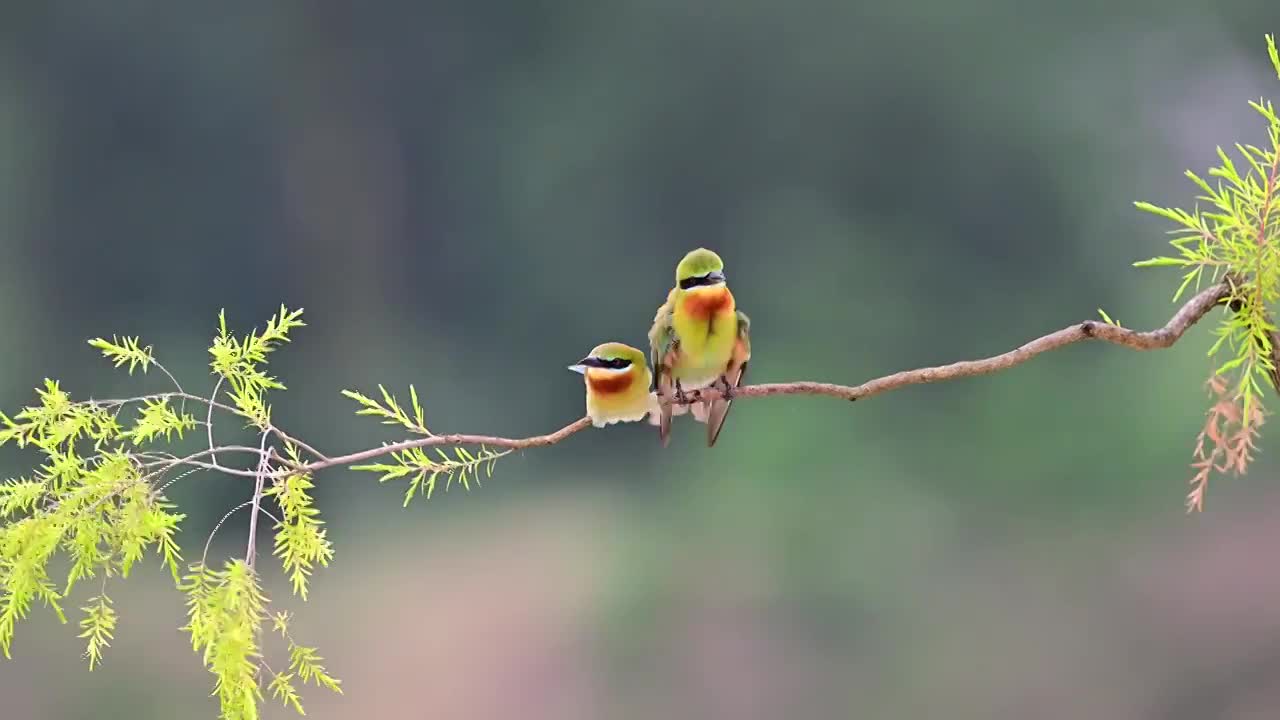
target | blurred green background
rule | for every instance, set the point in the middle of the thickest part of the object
(468, 196)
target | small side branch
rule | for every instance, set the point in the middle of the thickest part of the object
(208, 421)
(509, 443)
(251, 554)
(211, 403)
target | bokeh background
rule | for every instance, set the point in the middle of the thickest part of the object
(468, 195)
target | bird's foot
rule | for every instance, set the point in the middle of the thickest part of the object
(680, 395)
(727, 391)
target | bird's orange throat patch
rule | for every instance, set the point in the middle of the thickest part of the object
(609, 383)
(708, 302)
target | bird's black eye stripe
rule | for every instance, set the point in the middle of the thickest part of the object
(709, 279)
(607, 363)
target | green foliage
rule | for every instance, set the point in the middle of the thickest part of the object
(391, 412)
(56, 421)
(144, 520)
(19, 496)
(423, 470)
(300, 540)
(414, 462)
(225, 612)
(124, 351)
(97, 498)
(99, 624)
(238, 362)
(88, 499)
(1273, 54)
(1235, 239)
(305, 664)
(281, 687)
(156, 418)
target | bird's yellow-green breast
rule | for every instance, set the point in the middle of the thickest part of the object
(707, 325)
(617, 380)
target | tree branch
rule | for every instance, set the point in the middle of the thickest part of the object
(510, 443)
(1186, 316)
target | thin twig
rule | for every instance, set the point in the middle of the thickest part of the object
(205, 556)
(168, 464)
(214, 404)
(208, 421)
(220, 468)
(250, 555)
(510, 443)
(172, 379)
(193, 460)
(157, 492)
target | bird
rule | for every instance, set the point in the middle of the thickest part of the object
(699, 339)
(618, 384)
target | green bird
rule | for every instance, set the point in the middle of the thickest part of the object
(699, 338)
(617, 380)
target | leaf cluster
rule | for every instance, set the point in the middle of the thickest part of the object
(226, 618)
(90, 500)
(424, 471)
(415, 463)
(239, 362)
(97, 498)
(390, 410)
(301, 541)
(1231, 235)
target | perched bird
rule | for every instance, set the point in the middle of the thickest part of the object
(699, 338)
(618, 384)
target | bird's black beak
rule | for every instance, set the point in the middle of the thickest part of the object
(581, 366)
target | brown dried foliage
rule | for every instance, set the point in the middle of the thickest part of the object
(1227, 442)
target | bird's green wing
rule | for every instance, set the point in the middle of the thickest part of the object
(662, 338)
(744, 329)
(662, 345)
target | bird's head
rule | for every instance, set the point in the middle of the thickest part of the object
(610, 358)
(700, 268)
